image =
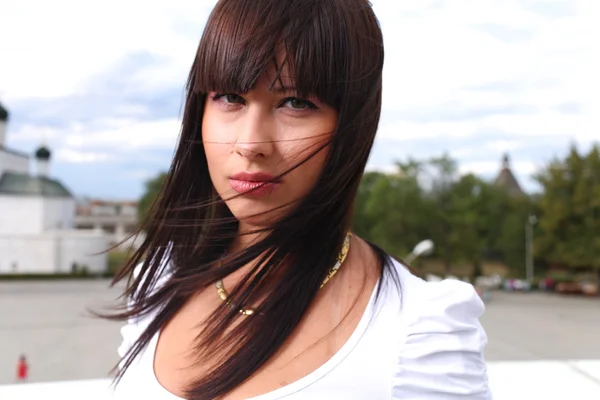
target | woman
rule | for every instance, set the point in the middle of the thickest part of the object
(248, 284)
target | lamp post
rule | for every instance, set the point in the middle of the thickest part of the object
(529, 267)
(592, 217)
(423, 248)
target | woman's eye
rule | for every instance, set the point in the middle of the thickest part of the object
(228, 98)
(299, 104)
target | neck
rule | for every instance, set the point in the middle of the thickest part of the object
(245, 237)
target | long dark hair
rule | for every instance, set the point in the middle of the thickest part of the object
(334, 50)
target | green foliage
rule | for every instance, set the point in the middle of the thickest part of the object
(569, 227)
(469, 219)
(472, 221)
(116, 259)
(463, 215)
(150, 195)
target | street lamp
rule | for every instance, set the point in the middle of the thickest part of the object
(423, 248)
(529, 268)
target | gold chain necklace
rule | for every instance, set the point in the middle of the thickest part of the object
(224, 295)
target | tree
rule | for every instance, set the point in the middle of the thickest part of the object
(442, 176)
(569, 225)
(152, 189)
(362, 223)
(509, 243)
(390, 210)
(468, 219)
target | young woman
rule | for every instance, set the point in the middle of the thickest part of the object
(249, 283)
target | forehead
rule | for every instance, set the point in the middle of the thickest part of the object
(234, 57)
(278, 76)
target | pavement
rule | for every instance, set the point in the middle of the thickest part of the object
(50, 323)
(540, 346)
(537, 326)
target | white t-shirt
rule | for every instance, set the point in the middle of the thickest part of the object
(422, 342)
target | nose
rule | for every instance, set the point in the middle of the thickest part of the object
(255, 140)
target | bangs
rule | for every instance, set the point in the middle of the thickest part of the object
(297, 42)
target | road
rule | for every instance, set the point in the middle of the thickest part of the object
(49, 323)
(529, 327)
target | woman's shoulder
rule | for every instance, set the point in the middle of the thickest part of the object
(441, 350)
(423, 298)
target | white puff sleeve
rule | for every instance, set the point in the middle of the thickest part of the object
(130, 332)
(133, 328)
(442, 356)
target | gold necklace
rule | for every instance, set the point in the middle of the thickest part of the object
(224, 295)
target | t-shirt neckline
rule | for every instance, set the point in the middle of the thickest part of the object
(297, 385)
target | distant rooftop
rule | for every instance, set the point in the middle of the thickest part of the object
(17, 184)
(21, 154)
(507, 180)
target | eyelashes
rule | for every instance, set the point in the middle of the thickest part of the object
(294, 104)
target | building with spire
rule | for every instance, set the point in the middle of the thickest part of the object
(506, 179)
(37, 217)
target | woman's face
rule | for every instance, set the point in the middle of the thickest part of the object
(253, 137)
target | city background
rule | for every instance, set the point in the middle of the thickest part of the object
(488, 148)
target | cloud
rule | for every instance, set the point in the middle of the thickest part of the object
(80, 157)
(506, 34)
(490, 168)
(125, 135)
(103, 83)
(57, 46)
(552, 8)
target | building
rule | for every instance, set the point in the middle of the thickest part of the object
(507, 180)
(37, 217)
(117, 219)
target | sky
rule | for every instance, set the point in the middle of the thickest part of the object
(101, 83)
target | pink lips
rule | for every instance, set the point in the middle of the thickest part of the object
(254, 185)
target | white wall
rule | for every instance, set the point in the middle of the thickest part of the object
(109, 209)
(42, 168)
(34, 215)
(82, 247)
(129, 210)
(59, 213)
(26, 254)
(52, 252)
(21, 215)
(133, 242)
(14, 163)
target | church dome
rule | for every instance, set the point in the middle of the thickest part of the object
(42, 153)
(3, 113)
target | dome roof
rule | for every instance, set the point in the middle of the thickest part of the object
(3, 113)
(43, 153)
(15, 184)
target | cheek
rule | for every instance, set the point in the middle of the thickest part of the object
(306, 140)
(296, 152)
(215, 149)
(309, 141)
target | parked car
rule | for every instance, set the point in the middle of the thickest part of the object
(519, 285)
